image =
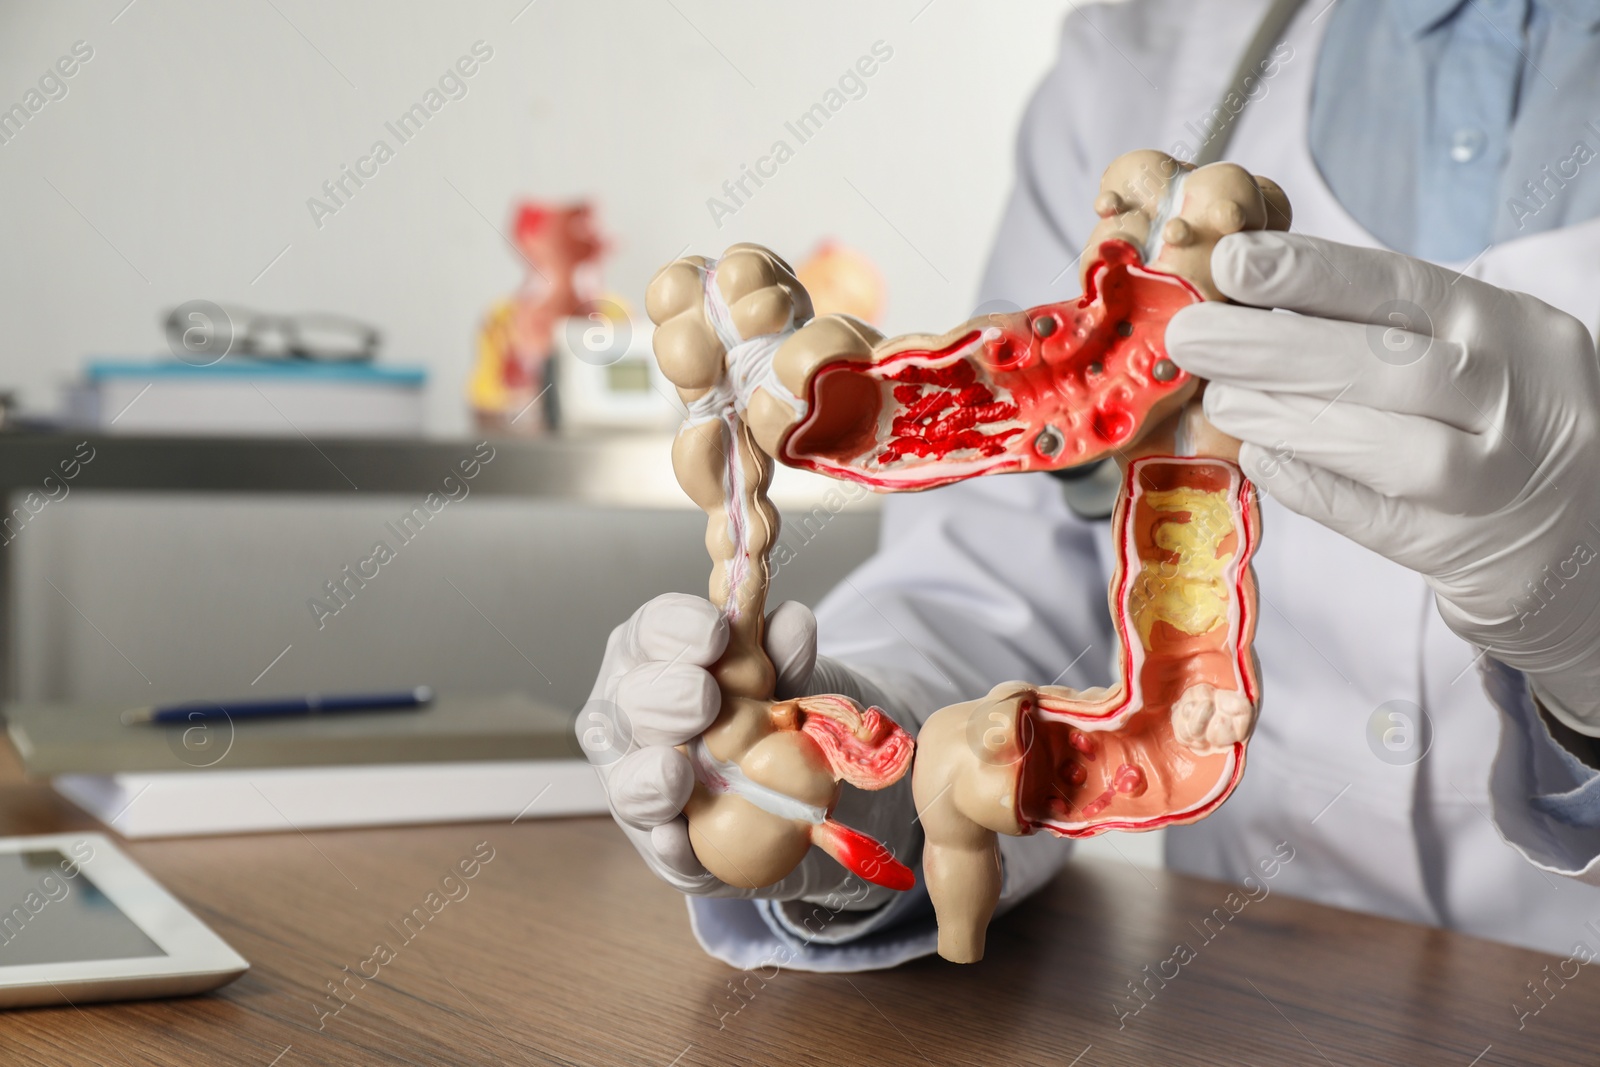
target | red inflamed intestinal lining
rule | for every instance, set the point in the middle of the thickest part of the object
(1059, 385)
(866, 749)
(945, 409)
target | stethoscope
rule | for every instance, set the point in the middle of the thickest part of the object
(1091, 492)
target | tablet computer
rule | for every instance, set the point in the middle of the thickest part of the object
(80, 921)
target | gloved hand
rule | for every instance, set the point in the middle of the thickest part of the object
(654, 693)
(1440, 421)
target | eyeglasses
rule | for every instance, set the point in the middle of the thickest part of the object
(202, 332)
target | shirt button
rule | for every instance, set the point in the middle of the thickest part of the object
(1467, 144)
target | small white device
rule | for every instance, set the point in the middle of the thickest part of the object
(80, 921)
(607, 377)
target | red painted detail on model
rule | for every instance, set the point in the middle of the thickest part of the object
(1099, 804)
(1249, 534)
(1130, 780)
(1176, 818)
(984, 403)
(955, 374)
(867, 749)
(862, 856)
(944, 410)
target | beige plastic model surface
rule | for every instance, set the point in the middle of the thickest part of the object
(767, 773)
(1048, 388)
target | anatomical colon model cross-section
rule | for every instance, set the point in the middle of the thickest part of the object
(1053, 387)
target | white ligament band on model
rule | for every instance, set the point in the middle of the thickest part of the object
(721, 776)
(748, 364)
(1171, 205)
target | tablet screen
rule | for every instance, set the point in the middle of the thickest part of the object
(50, 912)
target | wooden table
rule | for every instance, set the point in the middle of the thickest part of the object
(565, 951)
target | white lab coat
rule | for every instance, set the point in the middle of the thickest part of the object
(996, 579)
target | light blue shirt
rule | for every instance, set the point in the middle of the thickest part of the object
(1444, 126)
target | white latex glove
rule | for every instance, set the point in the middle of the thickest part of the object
(654, 693)
(1440, 421)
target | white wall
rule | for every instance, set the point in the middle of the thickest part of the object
(179, 164)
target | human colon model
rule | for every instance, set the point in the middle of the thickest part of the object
(1052, 387)
(767, 772)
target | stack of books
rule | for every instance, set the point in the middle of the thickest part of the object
(248, 398)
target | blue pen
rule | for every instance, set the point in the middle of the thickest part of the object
(311, 704)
